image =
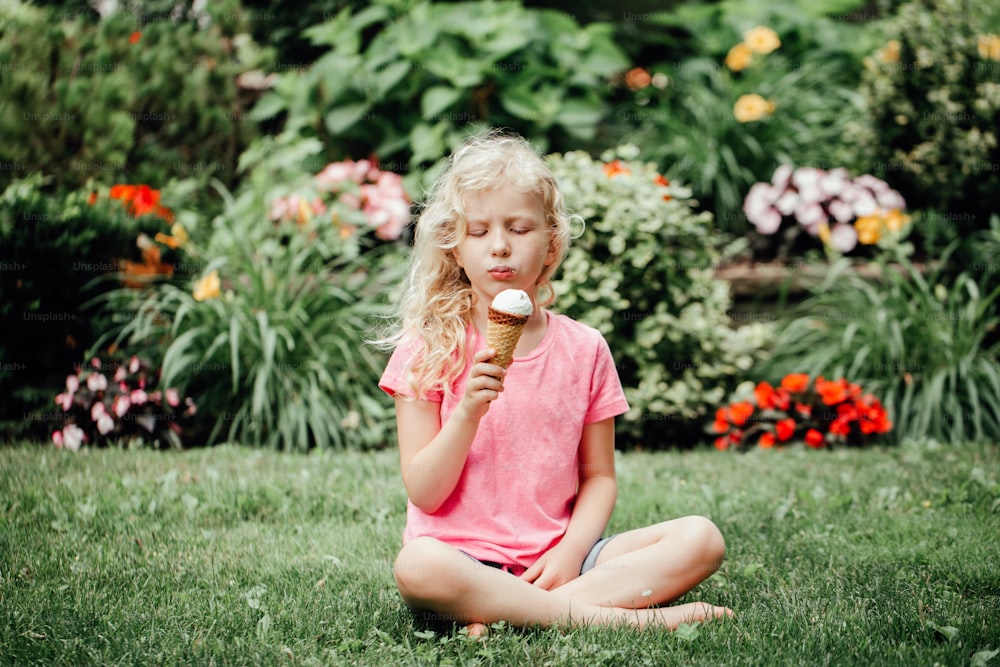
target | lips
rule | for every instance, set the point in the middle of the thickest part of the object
(501, 272)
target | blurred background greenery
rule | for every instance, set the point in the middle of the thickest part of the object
(252, 267)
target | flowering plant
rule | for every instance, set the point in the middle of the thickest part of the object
(126, 405)
(840, 210)
(821, 413)
(352, 195)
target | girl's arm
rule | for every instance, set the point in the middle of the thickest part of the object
(432, 455)
(595, 501)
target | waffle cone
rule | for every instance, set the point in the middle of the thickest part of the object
(502, 333)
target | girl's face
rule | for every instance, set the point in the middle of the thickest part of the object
(507, 244)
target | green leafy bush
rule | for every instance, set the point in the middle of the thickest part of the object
(400, 80)
(642, 272)
(920, 342)
(82, 100)
(55, 252)
(765, 85)
(932, 97)
(267, 339)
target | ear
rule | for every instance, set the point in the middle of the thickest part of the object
(458, 257)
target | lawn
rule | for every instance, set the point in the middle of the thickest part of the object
(238, 556)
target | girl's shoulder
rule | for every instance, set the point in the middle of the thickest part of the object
(566, 328)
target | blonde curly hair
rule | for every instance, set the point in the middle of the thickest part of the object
(436, 303)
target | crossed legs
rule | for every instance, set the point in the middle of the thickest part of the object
(637, 570)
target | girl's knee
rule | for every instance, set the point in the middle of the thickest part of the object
(706, 535)
(415, 566)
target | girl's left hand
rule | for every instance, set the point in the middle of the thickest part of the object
(555, 567)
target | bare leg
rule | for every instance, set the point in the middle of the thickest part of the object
(651, 566)
(435, 577)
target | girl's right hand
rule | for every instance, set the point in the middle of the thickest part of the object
(483, 386)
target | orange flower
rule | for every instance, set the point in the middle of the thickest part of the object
(739, 57)
(661, 180)
(785, 429)
(766, 441)
(814, 438)
(637, 78)
(615, 168)
(141, 200)
(134, 37)
(92, 198)
(795, 382)
(722, 444)
(761, 40)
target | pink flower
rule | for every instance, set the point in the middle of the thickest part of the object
(781, 176)
(96, 363)
(73, 437)
(173, 398)
(841, 210)
(890, 199)
(97, 382)
(120, 374)
(57, 438)
(787, 203)
(133, 364)
(843, 238)
(334, 174)
(121, 405)
(865, 204)
(138, 397)
(72, 383)
(360, 171)
(105, 424)
(807, 181)
(872, 183)
(191, 407)
(65, 401)
(769, 221)
(96, 410)
(835, 182)
(810, 214)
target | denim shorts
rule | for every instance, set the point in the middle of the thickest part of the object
(588, 563)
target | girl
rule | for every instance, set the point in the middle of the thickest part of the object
(510, 474)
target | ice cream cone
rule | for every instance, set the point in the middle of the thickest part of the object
(502, 333)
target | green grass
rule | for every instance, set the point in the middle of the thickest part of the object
(237, 556)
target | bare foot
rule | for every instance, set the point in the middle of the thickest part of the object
(671, 617)
(476, 630)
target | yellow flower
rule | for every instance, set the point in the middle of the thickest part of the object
(739, 57)
(890, 52)
(869, 228)
(207, 287)
(989, 46)
(761, 40)
(178, 232)
(895, 220)
(752, 107)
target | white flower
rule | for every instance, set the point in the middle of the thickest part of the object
(97, 410)
(841, 211)
(781, 176)
(121, 405)
(769, 221)
(810, 214)
(890, 199)
(138, 396)
(843, 238)
(835, 182)
(787, 203)
(120, 374)
(173, 398)
(65, 401)
(97, 382)
(72, 437)
(865, 204)
(72, 383)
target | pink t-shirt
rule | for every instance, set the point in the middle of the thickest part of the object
(514, 497)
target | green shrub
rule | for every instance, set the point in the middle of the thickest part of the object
(932, 96)
(642, 272)
(720, 109)
(401, 80)
(919, 342)
(267, 339)
(81, 100)
(55, 251)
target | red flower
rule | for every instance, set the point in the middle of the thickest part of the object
(785, 429)
(722, 444)
(766, 441)
(814, 438)
(141, 200)
(615, 168)
(134, 37)
(739, 413)
(763, 393)
(832, 392)
(795, 382)
(721, 424)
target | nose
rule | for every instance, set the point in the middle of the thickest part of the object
(499, 245)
